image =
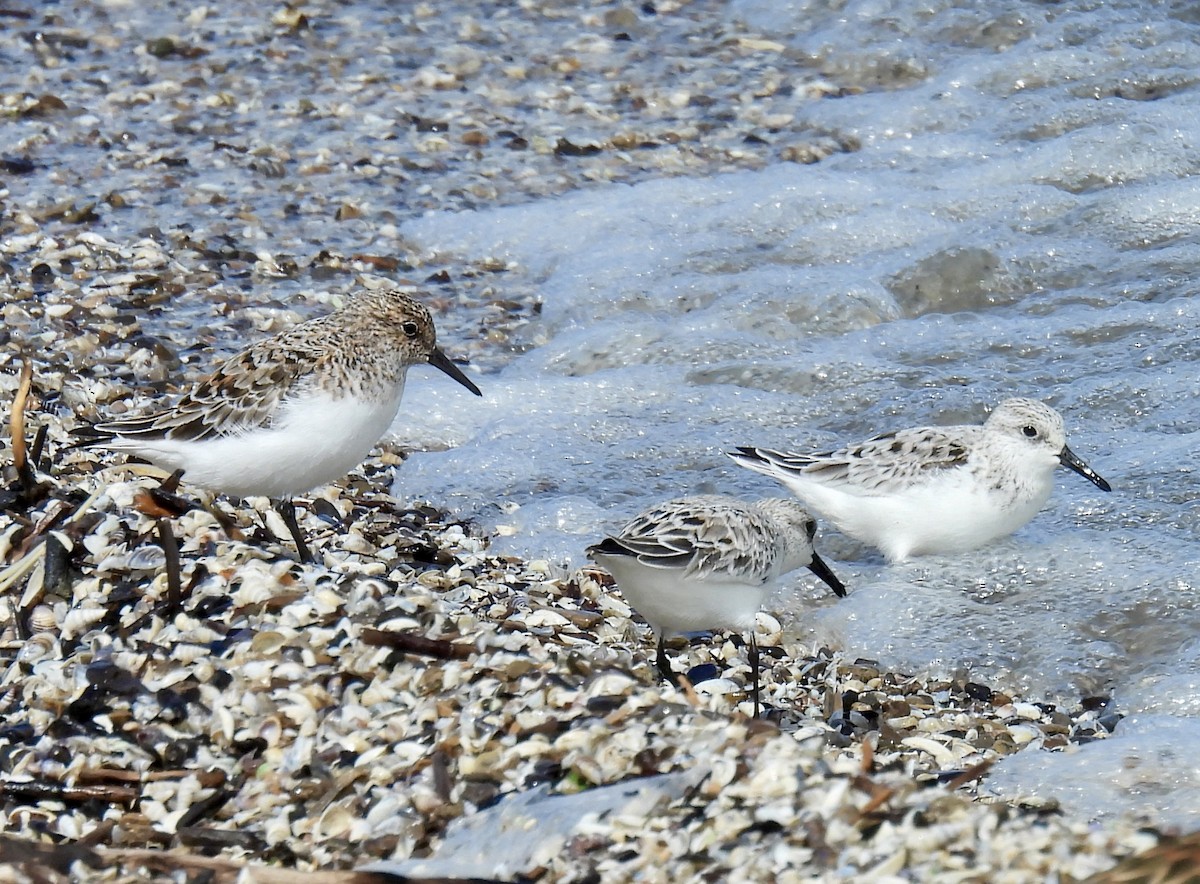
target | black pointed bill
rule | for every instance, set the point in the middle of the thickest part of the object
(1068, 459)
(439, 360)
(818, 567)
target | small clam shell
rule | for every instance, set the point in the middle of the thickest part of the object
(147, 558)
(64, 540)
(39, 647)
(42, 619)
(271, 730)
(722, 772)
(767, 630)
(6, 539)
(268, 642)
(718, 687)
(335, 822)
(937, 750)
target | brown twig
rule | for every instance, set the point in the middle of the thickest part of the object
(868, 757)
(226, 521)
(878, 792)
(39, 443)
(16, 420)
(29, 553)
(971, 773)
(56, 513)
(204, 807)
(227, 870)
(879, 795)
(16, 426)
(689, 692)
(208, 779)
(98, 835)
(42, 790)
(412, 643)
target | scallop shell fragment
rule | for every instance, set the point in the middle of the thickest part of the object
(42, 619)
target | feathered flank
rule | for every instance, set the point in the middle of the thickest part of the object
(709, 561)
(933, 489)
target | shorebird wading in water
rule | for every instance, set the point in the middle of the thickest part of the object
(933, 489)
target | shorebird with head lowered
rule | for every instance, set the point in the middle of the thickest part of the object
(930, 490)
(293, 411)
(709, 562)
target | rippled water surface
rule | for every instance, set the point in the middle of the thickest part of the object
(615, 217)
(1018, 220)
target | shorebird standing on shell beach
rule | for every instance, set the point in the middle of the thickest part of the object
(931, 490)
(293, 411)
(708, 562)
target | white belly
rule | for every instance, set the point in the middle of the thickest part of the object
(319, 439)
(670, 603)
(932, 518)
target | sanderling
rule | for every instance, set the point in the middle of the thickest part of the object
(293, 411)
(933, 489)
(709, 561)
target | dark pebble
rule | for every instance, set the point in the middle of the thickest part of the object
(978, 691)
(565, 148)
(604, 705)
(42, 276)
(17, 165)
(1092, 704)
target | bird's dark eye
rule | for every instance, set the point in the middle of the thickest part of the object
(409, 328)
(810, 528)
(1030, 432)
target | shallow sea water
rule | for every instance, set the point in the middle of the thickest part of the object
(1005, 205)
(1020, 220)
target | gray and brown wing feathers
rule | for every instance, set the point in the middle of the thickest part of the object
(877, 465)
(693, 541)
(244, 393)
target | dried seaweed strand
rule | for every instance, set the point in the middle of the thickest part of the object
(16, 423)
(40, 790)
(412, 643)
(971, 773)
(206, 778)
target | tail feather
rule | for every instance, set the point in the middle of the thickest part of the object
(609, 546)
(757, 459)
(89, 435)
(768, 461)
(747, 453)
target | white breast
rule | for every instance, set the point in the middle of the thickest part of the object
(951, 512)
(671, 602)
(318, 439)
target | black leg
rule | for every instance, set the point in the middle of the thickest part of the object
(664, 665)
(287, 510)
(754, 670)
(170, 548)
(171, 483)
